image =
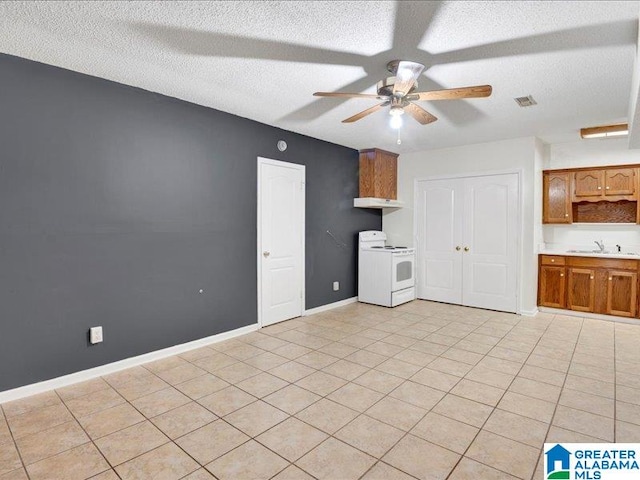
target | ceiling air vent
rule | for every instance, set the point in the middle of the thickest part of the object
(527, 101)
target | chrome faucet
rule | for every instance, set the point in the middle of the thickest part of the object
(600, 245)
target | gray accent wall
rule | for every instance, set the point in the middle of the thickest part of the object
(118, 205)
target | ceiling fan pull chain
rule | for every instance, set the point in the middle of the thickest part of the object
(399, 141)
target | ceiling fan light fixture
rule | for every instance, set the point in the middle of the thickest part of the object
(395, 122)
(605, 131)
(396, 111)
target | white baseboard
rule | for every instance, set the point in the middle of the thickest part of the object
(595, 316)
(529, 313)
(95, 372)
(330, 306)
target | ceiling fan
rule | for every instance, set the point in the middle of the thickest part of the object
(398, 92)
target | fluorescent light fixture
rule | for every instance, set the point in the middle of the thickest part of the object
(604, 131)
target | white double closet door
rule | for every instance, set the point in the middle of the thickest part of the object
(468, 239)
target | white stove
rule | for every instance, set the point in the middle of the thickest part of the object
(386, 274)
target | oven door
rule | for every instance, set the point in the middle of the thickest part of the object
(402, 271)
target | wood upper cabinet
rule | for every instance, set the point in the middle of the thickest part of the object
(556, 204)
(551, 292)
(592, 195)
(622, 289)
(602, 184)
(620, 181)
(581, 289)
(588, 183)
(378, 174)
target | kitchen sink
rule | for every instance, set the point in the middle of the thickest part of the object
(588, 251)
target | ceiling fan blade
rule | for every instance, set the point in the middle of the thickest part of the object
(420, 114)
(346, 95)
(364, 113)
(477, 91)
(406, 75)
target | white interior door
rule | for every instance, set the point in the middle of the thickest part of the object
(439, 230)
(491, 220)
(281, 200)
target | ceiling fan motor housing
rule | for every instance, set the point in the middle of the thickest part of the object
(385, 87)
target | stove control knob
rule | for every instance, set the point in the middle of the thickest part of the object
(266, 254)
(458, 248)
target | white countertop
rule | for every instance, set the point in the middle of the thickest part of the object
(568, 253)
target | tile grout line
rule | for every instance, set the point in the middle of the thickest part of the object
(87, 434)
(615, 388)
(408, 432)
(377, 460)
(480, 429)
(15, 445)
(407, 379)
(555, 409)
(315, 333)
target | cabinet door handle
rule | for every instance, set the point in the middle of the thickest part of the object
(599, 188)
(608, 187)
(591, 277)
(458, 248)
(562, 274)
(553, 260)
(610, 278)
(466, 249)
(566, 214)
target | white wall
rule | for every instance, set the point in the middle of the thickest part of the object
(524, 154)
(588, 153)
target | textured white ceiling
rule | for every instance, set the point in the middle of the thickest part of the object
(263, 60)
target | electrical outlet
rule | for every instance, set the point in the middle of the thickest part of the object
(336, 286)
(95, 335)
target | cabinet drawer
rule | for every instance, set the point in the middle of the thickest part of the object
(552, 260)
(595, 262)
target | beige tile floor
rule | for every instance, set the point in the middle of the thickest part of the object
(425, 390)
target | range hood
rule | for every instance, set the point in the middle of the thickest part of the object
(372, 202)
(378, 180)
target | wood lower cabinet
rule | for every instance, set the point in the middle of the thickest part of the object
(621, 293)
(589, 284)
(581, 291)
(552, 287)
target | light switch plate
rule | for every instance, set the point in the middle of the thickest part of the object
(95, 335)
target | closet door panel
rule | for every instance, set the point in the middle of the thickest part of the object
(490, 238)
(439, 231)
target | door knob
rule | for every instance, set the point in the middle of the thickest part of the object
(458, 248)
(466, 249)
(266, 254)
